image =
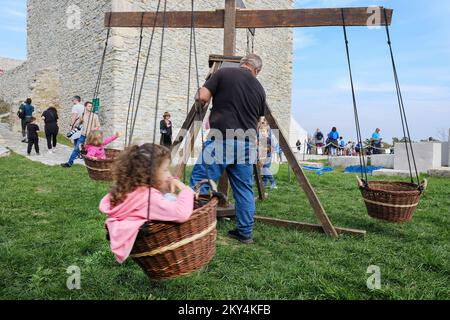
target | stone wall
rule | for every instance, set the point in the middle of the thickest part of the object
(7, 64)
(63, 60)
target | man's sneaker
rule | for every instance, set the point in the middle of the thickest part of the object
(234, 234)
(50, 152)
(275, 187)
(65, 165)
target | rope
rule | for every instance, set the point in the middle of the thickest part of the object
(158, 89)
(133, 125)
(132, 102)
(362, 161)
(100, 74)
(198, 105)
(401, 105)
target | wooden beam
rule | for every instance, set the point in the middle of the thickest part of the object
(251, 18)
(307, 226)
(259, 183)
(301, 177)
(229, 32)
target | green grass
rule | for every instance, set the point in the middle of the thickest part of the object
(61, 139)
(49, 220)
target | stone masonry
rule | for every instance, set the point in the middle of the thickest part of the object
(65, 44)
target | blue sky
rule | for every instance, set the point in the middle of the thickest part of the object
(321, 93)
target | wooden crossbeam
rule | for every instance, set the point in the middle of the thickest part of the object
(246, 18)
(307, 226)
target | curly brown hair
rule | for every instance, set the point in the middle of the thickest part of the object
(136, 167)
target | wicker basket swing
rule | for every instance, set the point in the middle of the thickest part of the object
(167, 250)
(391, 201)
(100, 170)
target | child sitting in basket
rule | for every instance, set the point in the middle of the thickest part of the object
(130, 204)
(95, 145)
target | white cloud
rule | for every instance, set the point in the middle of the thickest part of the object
(15, 13)
(302, 40)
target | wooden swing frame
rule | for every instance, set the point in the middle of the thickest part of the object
(230, 19)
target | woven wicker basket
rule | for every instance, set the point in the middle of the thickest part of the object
(168, 250)
(391, 201)
(100, 170)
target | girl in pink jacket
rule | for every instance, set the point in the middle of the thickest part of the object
(140, 173)
(95, 145)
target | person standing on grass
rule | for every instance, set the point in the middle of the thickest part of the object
(50, 117)
(32, 135)
(25, 114)
(76, 118)
(90, 122)
(239, 100)
(265, 151)
(165, 128)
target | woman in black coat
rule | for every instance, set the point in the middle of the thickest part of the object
(165, 127)
(50, 117)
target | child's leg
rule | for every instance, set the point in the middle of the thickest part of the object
(30, 146)
(272, 181)
(264, 179)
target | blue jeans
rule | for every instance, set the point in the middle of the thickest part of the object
(76, 150)
(266, 173)
(237, 160)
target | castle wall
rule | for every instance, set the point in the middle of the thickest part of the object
(63, 60)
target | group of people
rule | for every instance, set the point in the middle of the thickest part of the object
(30, 128)
(84, 130)
(335, 145)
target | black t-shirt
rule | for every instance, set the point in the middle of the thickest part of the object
(239, 100)
(32, 130)
(50, 116)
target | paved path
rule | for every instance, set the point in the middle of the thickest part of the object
(12, 140)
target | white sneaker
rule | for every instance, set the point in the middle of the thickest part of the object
(54, 150)
(50, 151)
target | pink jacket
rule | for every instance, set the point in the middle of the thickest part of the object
(125, 219)
(98, 152)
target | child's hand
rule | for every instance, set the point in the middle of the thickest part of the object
(118, 134)
(176, 184)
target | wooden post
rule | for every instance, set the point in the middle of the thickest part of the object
(229, 39)
(229, 49)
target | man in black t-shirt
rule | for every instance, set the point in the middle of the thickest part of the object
(239, 100)
(32, 135)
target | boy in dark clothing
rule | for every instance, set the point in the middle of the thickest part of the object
(32, 133)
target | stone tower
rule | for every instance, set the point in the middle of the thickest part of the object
(65, 44)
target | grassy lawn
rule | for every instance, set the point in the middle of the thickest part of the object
(49, 220)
